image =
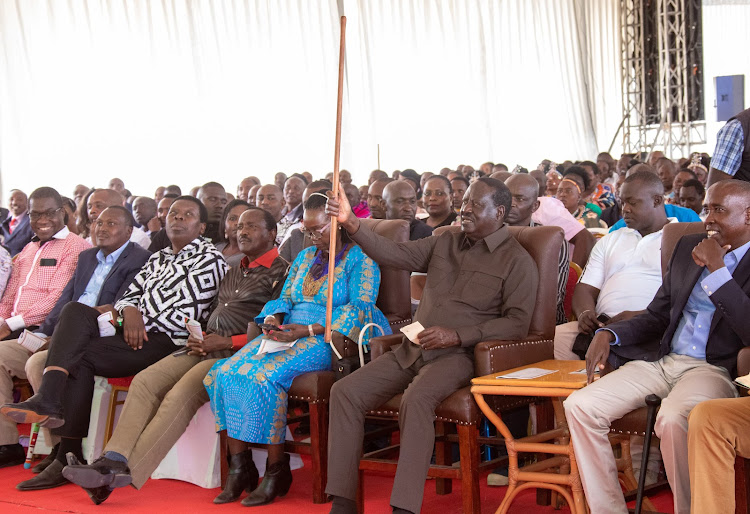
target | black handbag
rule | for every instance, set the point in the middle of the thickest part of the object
(344, 364)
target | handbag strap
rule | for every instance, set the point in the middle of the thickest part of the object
(360, 343)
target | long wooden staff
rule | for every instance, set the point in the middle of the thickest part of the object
(336, 153)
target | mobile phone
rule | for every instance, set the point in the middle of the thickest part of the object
(602, 318)
(268, 326)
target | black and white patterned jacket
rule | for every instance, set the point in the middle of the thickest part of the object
(171, 287)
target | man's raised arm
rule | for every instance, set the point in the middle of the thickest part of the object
(410, 255)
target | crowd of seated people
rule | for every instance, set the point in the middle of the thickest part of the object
(252, 268)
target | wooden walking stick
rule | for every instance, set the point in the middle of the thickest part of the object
(336, 153)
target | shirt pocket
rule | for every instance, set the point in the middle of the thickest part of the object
(439, 276)
(483, 291)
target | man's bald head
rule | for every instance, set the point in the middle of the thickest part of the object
(523, 182)
(100, 200)
(727, 210)
(375, 198)
(738, 189)
(502, 176)
(646, 179)
(641, 167)
(400, 200)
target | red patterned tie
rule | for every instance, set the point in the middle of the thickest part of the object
(13, 222)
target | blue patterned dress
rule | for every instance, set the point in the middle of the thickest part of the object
(249, 391)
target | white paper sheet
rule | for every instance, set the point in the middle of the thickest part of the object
(528, 373)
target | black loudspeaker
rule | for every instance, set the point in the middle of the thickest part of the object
(730, 96)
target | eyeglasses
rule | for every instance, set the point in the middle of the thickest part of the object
(35, 216)
(314, 235)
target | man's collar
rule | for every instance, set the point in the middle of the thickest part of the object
(492, 241)
(265, 260)
(61, 234)
(112, 256)
(740, 251)
(669, 220)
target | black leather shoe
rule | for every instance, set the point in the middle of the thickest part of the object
(101, 472)
(47, 460)
(243, 476)
(276, 482)
(35, 410)
(97, 494)
(47, 479)
(11, 455)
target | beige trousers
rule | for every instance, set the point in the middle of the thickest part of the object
(161, 401)
(718, 433)
(681, 382)
(13, 359)
(565, 336)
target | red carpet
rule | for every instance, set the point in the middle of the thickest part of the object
(167, 496)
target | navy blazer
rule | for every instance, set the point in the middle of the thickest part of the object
(130, 262)
(21, 235)
(648, 336)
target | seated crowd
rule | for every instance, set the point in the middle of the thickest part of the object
(110, 285)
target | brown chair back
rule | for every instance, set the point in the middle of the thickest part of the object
(671, 234)
(394, 296)
(543, 244)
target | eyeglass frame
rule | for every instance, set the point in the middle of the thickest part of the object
(314, 235)
(48, 214)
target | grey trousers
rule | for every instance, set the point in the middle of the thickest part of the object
(425, 385)
(161, 401)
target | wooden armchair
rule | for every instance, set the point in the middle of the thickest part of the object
(460, 409)
(314, 389)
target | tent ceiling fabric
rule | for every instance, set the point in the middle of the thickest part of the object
(178, 91)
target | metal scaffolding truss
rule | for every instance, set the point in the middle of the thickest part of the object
(656, 76)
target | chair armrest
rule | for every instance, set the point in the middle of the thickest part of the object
(743, 362)
(381, 344)
(494, 356)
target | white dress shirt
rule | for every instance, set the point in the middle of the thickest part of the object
(626, 268)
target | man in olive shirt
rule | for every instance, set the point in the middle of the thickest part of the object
(481, 285)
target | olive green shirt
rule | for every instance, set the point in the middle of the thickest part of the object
(484, 291)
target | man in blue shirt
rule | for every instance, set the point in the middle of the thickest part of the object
(683, 349)
(101, 276)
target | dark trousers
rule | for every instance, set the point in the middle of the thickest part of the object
(77, 348)
(17, 333)
(425, 385)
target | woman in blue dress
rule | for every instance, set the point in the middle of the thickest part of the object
(249, 390)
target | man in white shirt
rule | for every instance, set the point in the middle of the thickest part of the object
(624, 269)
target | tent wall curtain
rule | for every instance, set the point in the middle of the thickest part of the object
(186, 91)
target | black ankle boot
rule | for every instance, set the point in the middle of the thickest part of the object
(276, 482)
(243, 476)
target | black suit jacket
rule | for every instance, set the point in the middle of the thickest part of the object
(648, 336)
(21, 235)
(130, 262)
